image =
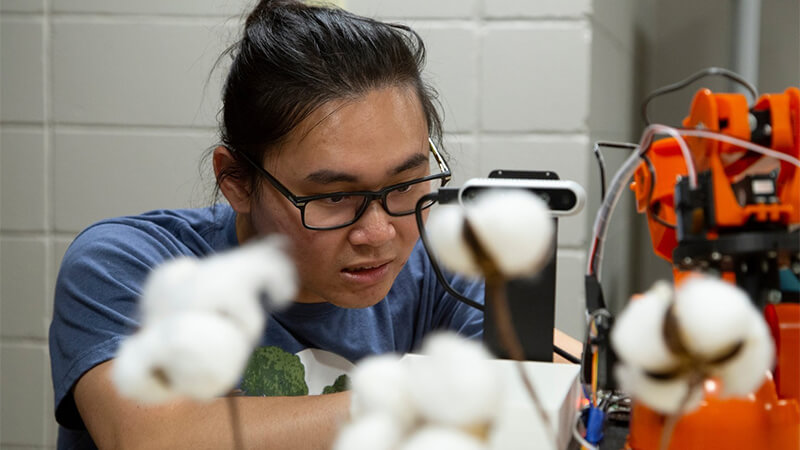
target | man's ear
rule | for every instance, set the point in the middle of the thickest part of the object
(236, 190)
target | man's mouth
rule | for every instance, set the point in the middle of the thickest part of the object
(367, 273)
(364, 267)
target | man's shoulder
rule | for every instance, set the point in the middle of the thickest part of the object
(197, 231)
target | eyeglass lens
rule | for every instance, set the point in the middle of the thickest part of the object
(343, 209)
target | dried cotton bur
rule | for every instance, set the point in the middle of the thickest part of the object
(448, 398)
(669, 344)
(200, 321)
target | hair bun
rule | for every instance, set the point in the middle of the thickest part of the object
(263, 8)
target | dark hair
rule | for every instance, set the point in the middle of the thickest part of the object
(294, 57)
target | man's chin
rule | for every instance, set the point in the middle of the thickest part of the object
(359, 299)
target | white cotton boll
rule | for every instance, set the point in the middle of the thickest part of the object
(444, 228)
(220, 291)
(712, 315)
(134, 369)
(442, 438)
(664, 396)
(371, 432)
(263, 265)
(203, 355)
(746, 371)
(516, 229)
(230, 284)
(454, 346)
(169, 288)
(454, 385)
(380, 384)
(637, 335)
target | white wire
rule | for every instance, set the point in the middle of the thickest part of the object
(581, 440)
(604, 214)
(652, 130)
(741, 143)
(619, 183)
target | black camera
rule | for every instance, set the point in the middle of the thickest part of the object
(563, 197)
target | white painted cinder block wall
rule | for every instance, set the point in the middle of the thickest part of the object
(106, 107)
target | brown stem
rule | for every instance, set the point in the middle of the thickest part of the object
(695, 382)
(238, 444)
(512, 345)
(496, 284)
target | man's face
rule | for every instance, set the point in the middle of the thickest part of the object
(348, 145)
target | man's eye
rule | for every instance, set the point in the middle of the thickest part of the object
(404, 189)
(337, 199)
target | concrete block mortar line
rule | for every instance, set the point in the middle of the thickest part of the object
(414, 22)
(537, 19)
(25, 234)
(149, 130)
(9, 125)
(21, 16)
(600, 27)
(479, 35)
(149, 19)
(477, 20)
(575, 135)
(39, 235)
(537, 24)
(37, 342)
(49, 139)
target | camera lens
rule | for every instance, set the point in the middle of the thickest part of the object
(567, 199)
(546, 197)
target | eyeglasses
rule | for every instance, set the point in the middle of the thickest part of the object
(341, 209)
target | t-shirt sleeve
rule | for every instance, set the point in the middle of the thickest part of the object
(95, 304)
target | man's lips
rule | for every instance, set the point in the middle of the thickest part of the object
(366, 266)
(367, 272)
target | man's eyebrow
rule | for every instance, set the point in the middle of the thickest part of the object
(412, 162)
(326, 176)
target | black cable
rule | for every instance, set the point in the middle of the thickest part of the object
(711, 71)
(433, 196)
(568, 356)
(443, 281)
(650, 211)
(602, 164)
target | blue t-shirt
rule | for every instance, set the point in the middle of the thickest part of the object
(103, 271)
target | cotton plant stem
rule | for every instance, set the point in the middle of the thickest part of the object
(496, 284)
(695, 383)
(236, 424)
(511, 343)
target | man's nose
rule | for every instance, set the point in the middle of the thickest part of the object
(375, 227)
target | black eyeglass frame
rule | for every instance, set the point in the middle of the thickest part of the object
(369, 196)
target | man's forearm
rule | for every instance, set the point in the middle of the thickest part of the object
(305, 422)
